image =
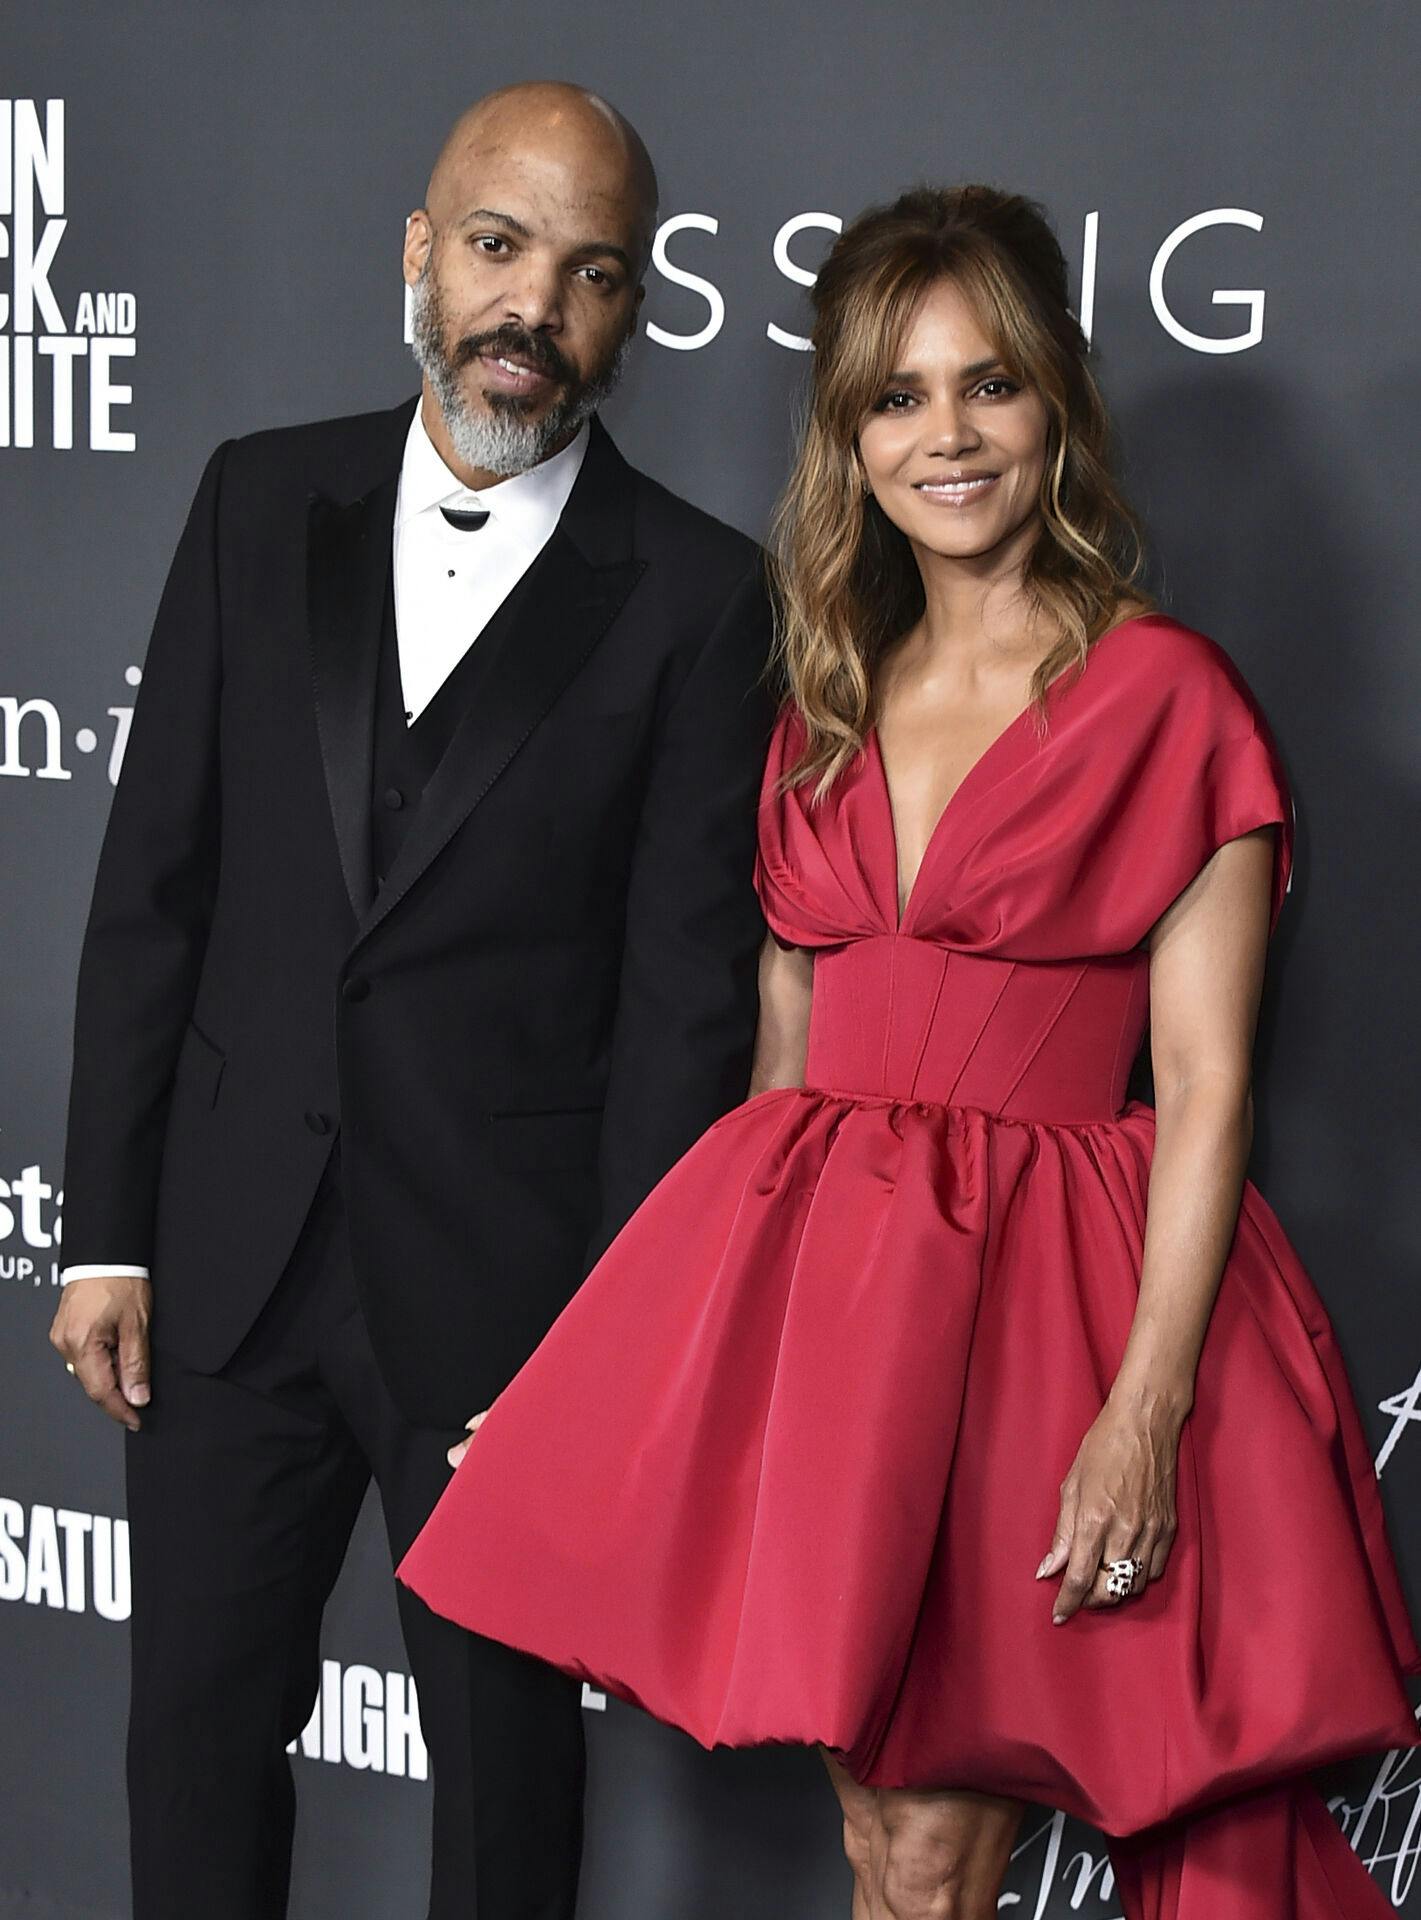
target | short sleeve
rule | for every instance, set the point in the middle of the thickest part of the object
(1214, 774)
(1247, 790)
(807, 873)
(778, 895)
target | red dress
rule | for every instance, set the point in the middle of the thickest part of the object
(784, 1468)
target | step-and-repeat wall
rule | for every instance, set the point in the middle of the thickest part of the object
(201, 209)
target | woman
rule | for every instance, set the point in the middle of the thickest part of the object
(942, 1407)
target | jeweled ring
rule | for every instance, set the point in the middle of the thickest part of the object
(1121, 1576)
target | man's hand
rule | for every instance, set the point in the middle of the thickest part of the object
(457, 1452)
(101, 1329)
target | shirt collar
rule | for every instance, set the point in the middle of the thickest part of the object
(527, 505)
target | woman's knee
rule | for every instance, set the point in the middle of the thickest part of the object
(922, 1882)
(930, 1872)
(859, 1806)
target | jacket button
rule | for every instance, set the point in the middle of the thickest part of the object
(394, 799)
(356, 989)
(318, 1122)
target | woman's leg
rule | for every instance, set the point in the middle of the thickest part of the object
(924, 1856)
(860, 1809)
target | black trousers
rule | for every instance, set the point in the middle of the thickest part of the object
(243, 1489)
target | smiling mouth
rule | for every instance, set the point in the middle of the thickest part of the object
(962, 490)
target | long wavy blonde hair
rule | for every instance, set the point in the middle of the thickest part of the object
(847, 584)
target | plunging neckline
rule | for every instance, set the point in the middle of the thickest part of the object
(1062, 683)
(903, 902)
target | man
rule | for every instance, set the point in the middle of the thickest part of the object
(423, 941)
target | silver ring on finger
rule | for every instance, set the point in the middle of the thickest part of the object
(1122, 1577)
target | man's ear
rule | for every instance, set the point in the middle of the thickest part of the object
(419, 238)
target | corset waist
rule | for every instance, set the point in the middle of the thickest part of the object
(906, 1019)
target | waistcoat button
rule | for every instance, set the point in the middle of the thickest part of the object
(318, 1122)
(355, 989)
(394, 799)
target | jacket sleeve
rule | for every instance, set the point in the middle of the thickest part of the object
(148, 922)
(687, 1005)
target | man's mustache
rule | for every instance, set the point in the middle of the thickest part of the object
(533, 349)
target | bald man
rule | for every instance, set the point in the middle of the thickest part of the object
(423, 941)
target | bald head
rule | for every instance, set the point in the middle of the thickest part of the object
(525, 267)
(549, 124)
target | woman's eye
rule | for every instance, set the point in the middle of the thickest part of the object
(890, 403)
(997, 387)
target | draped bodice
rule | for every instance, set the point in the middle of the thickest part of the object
(907, 1019)
(1015, 977)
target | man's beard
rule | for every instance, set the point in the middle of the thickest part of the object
(503, 440)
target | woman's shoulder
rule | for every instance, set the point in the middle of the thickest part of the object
(1170, 667)
(1179, 759)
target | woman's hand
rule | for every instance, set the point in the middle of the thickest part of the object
(471, 1427)
(1117, 1503)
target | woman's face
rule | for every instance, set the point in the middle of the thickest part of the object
(954, 447)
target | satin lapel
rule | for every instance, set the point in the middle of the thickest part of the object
(347, 578)
(565, 604)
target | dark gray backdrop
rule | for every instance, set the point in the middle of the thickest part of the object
(242, 172)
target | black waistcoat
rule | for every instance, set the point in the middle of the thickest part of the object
(406, 756)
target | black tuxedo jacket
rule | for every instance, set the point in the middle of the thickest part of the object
(550, 997)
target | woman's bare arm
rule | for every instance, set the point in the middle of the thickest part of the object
(782, 1035)
(1206, 976)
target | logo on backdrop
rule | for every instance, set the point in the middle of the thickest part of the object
(1384, 1826)
(1061, 1867)
(31, 1228)
(1043, 1866)
(366, 1720)
(61, 374)
(784, 247)
(55, 1557)
(1405, 1409)
(370, 1721)
(33, 740)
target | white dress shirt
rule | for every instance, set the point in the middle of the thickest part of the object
(449, 582)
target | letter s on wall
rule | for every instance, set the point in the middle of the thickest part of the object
(831, 224)
(678, 276)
